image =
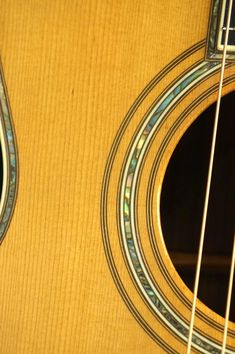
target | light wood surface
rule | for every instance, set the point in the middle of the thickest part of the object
(73, 69)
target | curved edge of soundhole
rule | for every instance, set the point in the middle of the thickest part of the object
(181, 205)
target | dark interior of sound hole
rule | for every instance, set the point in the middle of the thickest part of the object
(182, 200)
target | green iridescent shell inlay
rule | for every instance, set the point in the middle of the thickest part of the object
(212, 52)
(213, 29)
(9, 145)
(127, 209)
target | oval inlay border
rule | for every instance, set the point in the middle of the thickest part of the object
(10, 160)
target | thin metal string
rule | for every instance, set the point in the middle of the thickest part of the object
(229, 295)
(212, 153)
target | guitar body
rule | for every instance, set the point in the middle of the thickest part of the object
(82, 79)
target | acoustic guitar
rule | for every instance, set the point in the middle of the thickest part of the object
(107, 111)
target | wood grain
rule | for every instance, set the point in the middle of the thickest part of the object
(73, 69)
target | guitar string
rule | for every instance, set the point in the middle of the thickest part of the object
(229, 296)
(212, 153)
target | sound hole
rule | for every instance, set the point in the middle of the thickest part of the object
(182, 200)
